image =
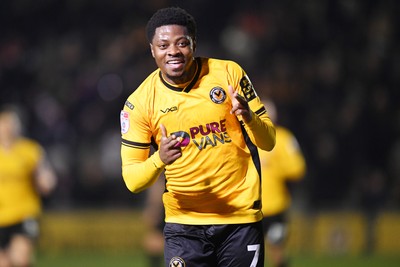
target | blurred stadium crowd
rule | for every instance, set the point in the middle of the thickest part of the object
(331, 66)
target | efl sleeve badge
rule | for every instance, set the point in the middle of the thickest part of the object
(124, 118)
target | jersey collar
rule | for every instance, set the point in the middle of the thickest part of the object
(187, 88)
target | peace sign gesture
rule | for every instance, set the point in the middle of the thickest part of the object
(240, 107)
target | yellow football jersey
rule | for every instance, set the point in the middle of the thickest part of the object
(18, 198)
(285, 163)
(217, 179)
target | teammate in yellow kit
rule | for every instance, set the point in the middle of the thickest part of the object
(279, 167)
(24, 175)
(207, 121)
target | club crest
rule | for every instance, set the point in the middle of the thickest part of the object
(177, 262)
(217, 95)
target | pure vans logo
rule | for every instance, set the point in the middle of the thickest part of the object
(171, 109)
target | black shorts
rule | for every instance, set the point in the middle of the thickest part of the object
(275, 228)
(28, 228)
(235, 245)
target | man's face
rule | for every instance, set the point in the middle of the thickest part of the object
(9, 125)
(172, 49)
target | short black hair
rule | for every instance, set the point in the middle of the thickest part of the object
(171, 16)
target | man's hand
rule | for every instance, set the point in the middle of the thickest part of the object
(169, 150)
(240, 107)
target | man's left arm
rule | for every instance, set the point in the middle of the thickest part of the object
(261, 130)
(257, 123)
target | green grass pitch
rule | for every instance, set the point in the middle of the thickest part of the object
(97, 259)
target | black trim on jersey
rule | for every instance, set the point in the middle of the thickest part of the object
(135, 144)
(261, 111)
(253, 150)
(190, 85)
(153, 143)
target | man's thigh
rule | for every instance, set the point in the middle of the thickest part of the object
(238, 245)
(243, 247)
(187, 245)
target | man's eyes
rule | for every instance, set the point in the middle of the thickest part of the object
(183, 44)
(180, 44)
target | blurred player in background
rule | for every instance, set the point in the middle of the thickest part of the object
(153, 216)
(280, 167)
(25, 175)
(207, 121)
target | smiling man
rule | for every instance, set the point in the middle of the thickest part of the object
(206, 121)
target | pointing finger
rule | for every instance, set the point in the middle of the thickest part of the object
(232, 94)
(163, 130)
(241, 100)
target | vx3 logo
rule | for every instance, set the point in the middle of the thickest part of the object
(171, 109)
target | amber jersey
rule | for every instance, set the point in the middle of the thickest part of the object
(283, 164)
(217, 179)
(18, 197)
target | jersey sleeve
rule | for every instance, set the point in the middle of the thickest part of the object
(260, 129)
(139, 171)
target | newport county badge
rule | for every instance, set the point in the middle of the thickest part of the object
(217, 95)
(177, 262)
(124, 118)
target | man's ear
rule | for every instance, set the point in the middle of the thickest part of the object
(152, 50)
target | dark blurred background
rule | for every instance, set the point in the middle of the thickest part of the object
(332, 68)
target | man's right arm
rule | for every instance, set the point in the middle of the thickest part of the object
(138, 170)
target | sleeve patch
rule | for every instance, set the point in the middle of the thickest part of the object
(247, 88)
(124, 118)
(129, 105)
